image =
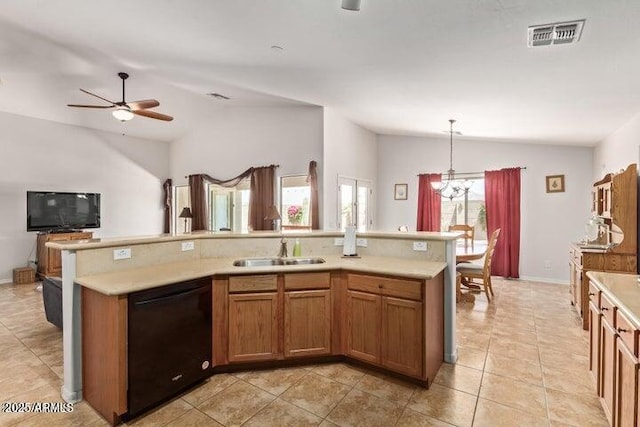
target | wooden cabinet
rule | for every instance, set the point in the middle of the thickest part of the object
(253, 318)
(275, 316)
(401, 342)
(614, 201)
(627, 371)
(385, 322)
(104, 353)
(363, 323)
(307, 314)
(50, 260)
(613, 359)
(607, 368)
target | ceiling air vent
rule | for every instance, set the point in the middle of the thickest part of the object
(558, 33)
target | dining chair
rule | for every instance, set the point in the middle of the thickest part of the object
(469, 232)
(480, 274)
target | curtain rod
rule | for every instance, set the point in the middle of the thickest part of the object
(275, 166)
(473, 173)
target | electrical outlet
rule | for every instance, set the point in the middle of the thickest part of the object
(420, 246)
(547, 264)
(187, 246)
(124, 253)
(361, 243)
(338, 241)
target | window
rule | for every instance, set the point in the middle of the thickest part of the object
(295, 202)
(228, 208)
(354, 200)
(469, 209)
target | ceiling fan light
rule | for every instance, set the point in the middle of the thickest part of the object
(123, 114)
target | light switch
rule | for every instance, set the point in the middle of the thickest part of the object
(187, 246)
(420, 246)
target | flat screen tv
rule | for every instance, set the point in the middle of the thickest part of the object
(56, 211)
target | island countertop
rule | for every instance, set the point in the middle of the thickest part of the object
(135, 240)
(623, 290)
(137, 279)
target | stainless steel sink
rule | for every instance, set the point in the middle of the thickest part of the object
(299, 261)
(266, 262)
(258, 262)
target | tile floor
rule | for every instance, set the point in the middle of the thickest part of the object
(523, 362)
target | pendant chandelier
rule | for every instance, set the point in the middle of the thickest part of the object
(450, 187)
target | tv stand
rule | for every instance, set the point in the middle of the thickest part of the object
(50, 260)
(64, 230)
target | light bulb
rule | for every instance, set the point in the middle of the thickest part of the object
(123, 114)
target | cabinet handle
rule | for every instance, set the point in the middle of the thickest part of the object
(605, 308)
(591, 294)
(380, 286)
(622, 330)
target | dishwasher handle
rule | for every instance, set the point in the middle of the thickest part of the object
(172, 296)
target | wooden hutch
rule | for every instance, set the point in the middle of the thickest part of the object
(614, 202)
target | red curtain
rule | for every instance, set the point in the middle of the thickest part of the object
(429, 203)
(502, 198)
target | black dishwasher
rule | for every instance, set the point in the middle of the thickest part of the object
(169, 342)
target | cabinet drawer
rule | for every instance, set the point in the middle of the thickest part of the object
(627, 333)
(608, 310)
(594, 294)
(321, 280)
(81, 236)
(255, 283)
(401, 288)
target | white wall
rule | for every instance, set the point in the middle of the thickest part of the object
(548, 221)
(42, 155)
(350, 151)
(618, 150)
(236, 138)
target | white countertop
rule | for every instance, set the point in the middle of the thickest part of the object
(623, 290)
(137, 279)
(134, 240)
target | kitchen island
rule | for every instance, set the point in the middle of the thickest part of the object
(393, 307)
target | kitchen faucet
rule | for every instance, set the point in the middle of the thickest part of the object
(283, 253)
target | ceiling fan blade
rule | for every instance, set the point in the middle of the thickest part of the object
(97, 96)
(90, 106)
(142, 105)
(153, 115)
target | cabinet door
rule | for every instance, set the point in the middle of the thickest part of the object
(307, 323)
(253, 327)
(363, 326)
(607, 368)
(595, 318)
(54, 256)
(402, 335)
(627, 386)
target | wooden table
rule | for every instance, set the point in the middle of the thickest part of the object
(464, 253)
(467, 252)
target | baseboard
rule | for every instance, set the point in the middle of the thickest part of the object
(5, 281)
(545, 280)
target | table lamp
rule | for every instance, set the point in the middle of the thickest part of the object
(186, 213)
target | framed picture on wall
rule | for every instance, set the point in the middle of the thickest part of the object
(555, 183)
(400, 192)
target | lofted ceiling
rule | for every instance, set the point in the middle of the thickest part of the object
(395, 67)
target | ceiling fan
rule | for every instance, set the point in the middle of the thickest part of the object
(123, 110)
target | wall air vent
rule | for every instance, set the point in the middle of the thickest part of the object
(552, 34)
